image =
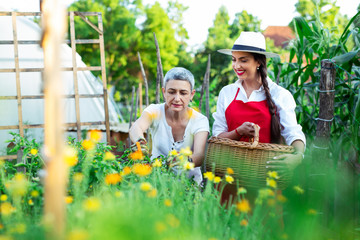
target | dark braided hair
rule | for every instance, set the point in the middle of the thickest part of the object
(275, 120)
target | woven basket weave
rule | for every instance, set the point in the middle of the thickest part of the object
(248, 160)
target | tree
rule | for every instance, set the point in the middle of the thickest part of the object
(158, 22)
(328, 12)
(121, 37)
(244, 22)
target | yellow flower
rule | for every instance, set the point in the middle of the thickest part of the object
(217, 179)
(126, 171)
(168, 202)
(78, 177)
(33, 151)
(69, 199)
(141, 169)
(186, 151)
(229, 171)
(172, 221)
(88, 145)
(70, 156)
(1, 227)
(298, 189)
(243, 206)
(173, 153)
(109, 156)
(160, 227)
(19, 228)
(18, 185)
(30, 202)
(189, 166)
(312, 211)
(119, 194)
(242, 190)
(145, 186)
(284, 236)
(209, 175)
(95, 135)
(6, 209)
(137, 155)
(157, 163)
(3, 197)
(91, 204)
(244, 223)
(281, 198)
(273, 174)
(152, 193)
(34, 193)
(113, 178)
(229, 179)
(153, 115)
(78, 234)
(271, 183)
(271, 202)
(190, 113)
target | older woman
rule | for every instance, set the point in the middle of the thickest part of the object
(174, 125)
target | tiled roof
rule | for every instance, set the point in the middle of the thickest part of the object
(280, 34)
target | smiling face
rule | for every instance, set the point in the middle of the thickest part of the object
(177, 94)
(244, 65)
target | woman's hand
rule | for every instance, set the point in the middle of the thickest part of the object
(285, 163)
(246, 129)
(143, 147)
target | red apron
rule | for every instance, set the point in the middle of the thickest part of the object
(239, 112)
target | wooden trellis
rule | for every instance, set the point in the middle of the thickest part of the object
(73, 41)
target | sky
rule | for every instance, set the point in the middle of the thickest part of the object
(201, 13)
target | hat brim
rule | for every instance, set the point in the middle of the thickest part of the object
(229, 52)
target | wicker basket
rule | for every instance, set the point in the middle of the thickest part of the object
(248, 160)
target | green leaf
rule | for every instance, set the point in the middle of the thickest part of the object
(345, 58)
(20, 165)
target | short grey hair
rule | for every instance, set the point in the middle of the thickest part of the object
(180, 73)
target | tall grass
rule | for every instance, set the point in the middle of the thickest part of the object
(108, 198)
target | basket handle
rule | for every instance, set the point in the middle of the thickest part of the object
(256, 137)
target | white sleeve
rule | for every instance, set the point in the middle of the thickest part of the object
(201, 125)
(290, 129)
(220, 124)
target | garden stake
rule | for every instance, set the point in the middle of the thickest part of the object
(159, 71)
(54, 29)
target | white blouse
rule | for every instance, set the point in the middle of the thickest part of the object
(163, 140)
(285, 107)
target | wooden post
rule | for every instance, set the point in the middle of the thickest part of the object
(17, 72)
(321, 175)
(140, 97)
(54, 28)
(326, 100)
(145, 81)
(136, 103)
(205, 87)
(131, 111)
(75, 75)
(103, 76)
(159, 71)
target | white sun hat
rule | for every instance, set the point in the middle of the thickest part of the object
(253, 42)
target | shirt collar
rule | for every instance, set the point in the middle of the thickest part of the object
(239, 84)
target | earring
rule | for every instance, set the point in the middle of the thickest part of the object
(257, 68)
(190, 100)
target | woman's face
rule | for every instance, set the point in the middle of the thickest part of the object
(178, 94)
(244, 65)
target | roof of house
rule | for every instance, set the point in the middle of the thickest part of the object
(280, 34)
